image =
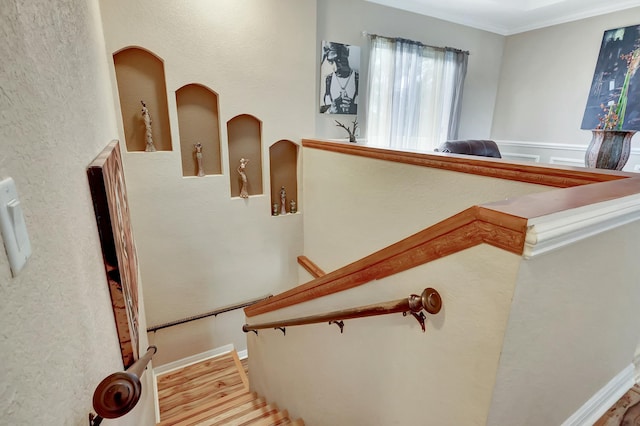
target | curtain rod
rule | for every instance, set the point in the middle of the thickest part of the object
(370, 35)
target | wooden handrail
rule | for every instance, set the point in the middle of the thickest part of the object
(118, 393)
(310, 267)
(541, 174)
(214, 313)
(467, 229)
(429, 301)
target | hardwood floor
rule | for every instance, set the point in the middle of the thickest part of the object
(626, 412)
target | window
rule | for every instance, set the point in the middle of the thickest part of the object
(415, 93)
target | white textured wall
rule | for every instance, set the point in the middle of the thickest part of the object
(58, 338)
(344, 21)
(363, 205)
(573, 327)
(383, 371)
(200, 249)
(546, 77)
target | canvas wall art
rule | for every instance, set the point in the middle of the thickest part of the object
(339, 78)
(614, 97)
(111, 207)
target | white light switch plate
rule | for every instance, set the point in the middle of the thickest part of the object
(13, 226)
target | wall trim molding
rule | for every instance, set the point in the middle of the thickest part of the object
(553, 146)
(193, 359)
(544, 145)
(557, 230)
(599, 403)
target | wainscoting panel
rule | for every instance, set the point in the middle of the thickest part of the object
(556, 153)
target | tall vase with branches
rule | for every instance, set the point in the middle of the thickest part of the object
(610, 144)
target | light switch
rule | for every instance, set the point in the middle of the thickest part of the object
(13, 226)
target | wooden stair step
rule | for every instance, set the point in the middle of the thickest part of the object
(207, 409)
(259, 413)
(215, 392)
(226, 417)
(275, 419)
(212, 366)
(191, 398)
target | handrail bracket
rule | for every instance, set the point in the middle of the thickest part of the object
(339, 323)
(420, 317)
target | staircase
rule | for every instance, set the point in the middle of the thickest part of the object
(214, 392)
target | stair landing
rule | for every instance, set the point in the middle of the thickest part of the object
(214, 391)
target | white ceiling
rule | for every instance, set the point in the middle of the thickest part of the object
(508, 17)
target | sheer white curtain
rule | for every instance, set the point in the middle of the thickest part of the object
(414, 94)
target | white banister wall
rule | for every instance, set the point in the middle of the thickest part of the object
(517, 338)
(356, 205)
(384, 370)
(574, 316)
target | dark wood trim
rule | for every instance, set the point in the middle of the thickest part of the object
(556, 176)
(310, 267)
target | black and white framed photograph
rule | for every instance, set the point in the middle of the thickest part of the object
(339, 78)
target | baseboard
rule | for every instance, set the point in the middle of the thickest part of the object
(174, 365)
(599, 403)
(243, 354)
(156, 399)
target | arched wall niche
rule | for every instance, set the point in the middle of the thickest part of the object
(140, 77)
(283, 169)
(244, 133)
(199, 122)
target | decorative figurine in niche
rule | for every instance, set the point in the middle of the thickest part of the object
(274, 210)
(283, 201)
(243, 176)
(146, 116)
(292, 207)
(352, 133)
(198, 148)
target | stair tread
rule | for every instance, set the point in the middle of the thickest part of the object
(256, 414)
(206, 409)
(275, 419)
(229, 415)
(215, 392)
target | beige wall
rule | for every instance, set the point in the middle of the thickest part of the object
(381, 370)
(545, 80)
(58, 334)
(572, 328)
(559, 326)
(357, 205)
(199, 248)
(344, 21)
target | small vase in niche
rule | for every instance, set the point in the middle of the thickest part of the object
(274, 210)
(283, 201)
(293, 208)
(243, 176)
(198, 148)
(148, 136)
